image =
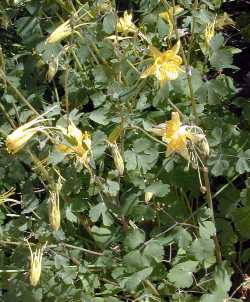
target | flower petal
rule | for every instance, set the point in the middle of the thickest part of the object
(149, 71)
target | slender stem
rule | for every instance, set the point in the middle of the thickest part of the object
(82, 249)
(192, 33)
(187, 67)
(145, 132)
(176, 108)
(7, 116)
(40, 167)
(66, 90)
(211, 207)
(18, 93)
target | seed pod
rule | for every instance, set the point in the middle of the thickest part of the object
(118, 160)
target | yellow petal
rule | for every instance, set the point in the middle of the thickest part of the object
(149, 71)
(175, 49)
(165, 16)
(168, 72)
(75, 133)
(125, 24)
(178, 145)
(154, 52)
(63, 149)
(87, 139)
(177, 10)
(172, 126)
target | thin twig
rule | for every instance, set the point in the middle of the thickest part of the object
(187, 67)
(210, 205)
(18, 93)
(81, 249)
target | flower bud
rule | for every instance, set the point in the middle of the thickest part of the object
(115, 134)
(53, 66)
(148, 196)
(54, 211)
(204, 148)
(118, 160)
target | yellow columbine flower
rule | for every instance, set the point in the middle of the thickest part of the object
(35, 264)
(79, 143)
(169, 17)
(166, 66)
(125, 24)
(20, 136)
(209, 32)
(62, 31)
(177, 136)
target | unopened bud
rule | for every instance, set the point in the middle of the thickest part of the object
(118, 160)
(53, 66)
(204, 147)
(54, 208)
(148, 196)
(115, 134)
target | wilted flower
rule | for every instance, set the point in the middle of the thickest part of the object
(54, 207)
(35, 264)
(223, 21)
(79, 144)
(209, 32)
(169, 17)
(61, 32)
(20, 136)
(166, 66)
(125, 24)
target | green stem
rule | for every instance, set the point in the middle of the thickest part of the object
(81, 249)
(7, 116)
(211, 207)
(187, 67)
(66, 91)
(18, 93)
